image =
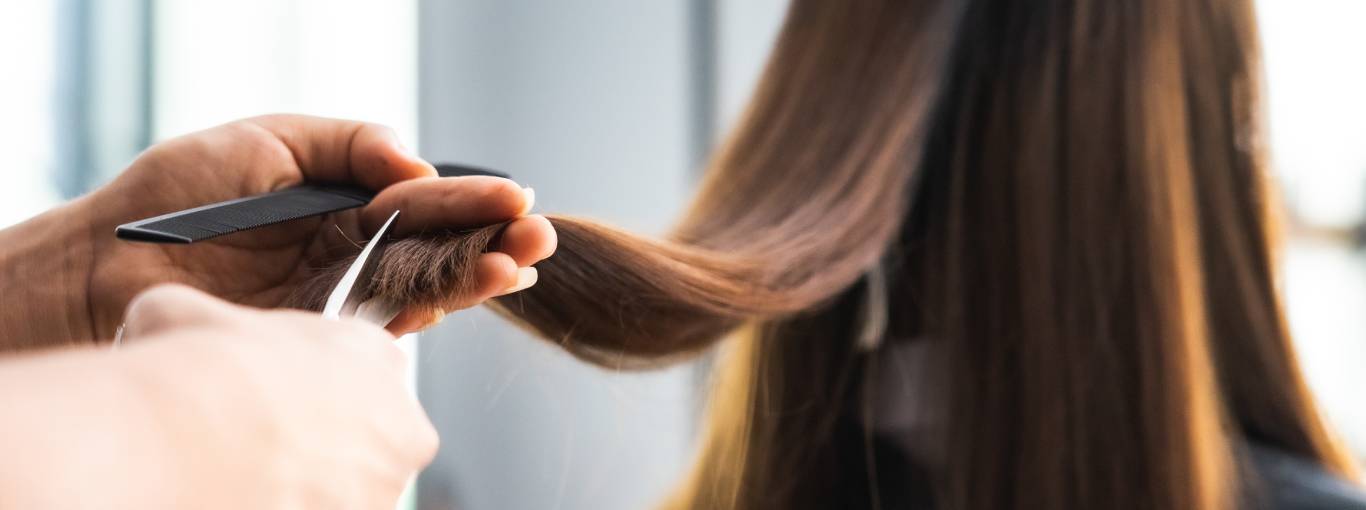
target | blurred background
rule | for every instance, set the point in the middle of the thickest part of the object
(608, 108)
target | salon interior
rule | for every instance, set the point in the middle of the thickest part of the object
(611, 109)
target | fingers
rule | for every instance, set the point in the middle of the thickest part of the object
(455, 202)
(413, 320)
(423, 440)
(529, 239)
(494, 274)
(525, 241)
(458, 202)
(167, 307)
(345, 150)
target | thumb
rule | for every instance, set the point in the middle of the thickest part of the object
(166, 307)
(345, 150)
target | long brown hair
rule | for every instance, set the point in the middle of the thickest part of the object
(1067, 197)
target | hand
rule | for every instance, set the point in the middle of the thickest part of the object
(90, 275)
(213, 405)
(331, 422)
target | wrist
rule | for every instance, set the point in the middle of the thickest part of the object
(45, 268)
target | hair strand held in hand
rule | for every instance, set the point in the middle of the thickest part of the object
(1069, 203)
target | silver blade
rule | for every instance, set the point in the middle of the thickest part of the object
(346, 297)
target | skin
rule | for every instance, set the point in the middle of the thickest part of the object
(214, 405)
(211, 404)
(66, 279)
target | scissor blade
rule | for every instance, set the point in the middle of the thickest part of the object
(346, 296)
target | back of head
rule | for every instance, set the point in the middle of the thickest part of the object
(1065, 197)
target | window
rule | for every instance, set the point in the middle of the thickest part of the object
(26, 97)
(1316, 98)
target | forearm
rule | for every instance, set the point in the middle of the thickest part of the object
(77, 435)
(45, 265)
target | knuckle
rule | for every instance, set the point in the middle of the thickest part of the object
(271, 119)
(425, 441)
(373, 137)
(163, 293)
(172, 305)
(156, 305)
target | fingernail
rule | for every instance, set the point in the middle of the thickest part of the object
(530, 199)
(526, 277)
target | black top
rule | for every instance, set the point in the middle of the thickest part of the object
(1279, 481)
(1291, 483)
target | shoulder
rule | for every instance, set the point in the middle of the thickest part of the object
(1292, 483)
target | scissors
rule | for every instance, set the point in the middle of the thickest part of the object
(348, 297)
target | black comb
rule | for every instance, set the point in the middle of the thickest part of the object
(222, 218)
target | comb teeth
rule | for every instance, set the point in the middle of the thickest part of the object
(236, 215)
(222, 218)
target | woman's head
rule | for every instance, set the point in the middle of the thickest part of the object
(1065, 197)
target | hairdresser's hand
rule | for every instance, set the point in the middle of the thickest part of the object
(74, 278)
(213, 405)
